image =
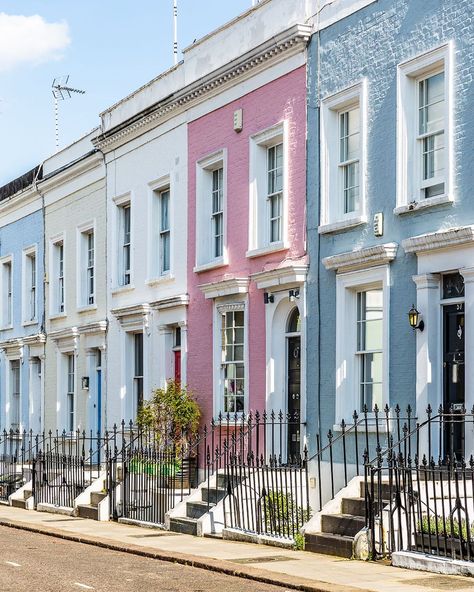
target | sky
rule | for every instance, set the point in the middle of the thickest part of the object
(108, 47)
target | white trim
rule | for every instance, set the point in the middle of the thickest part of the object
(228, 287)
(259, 233)
(53, 286)
(26, 285)
(347, 384)
(82, 232)
(281, 276)
(333, 218)
(7, 260)
(444, 239)
(155, 189)
(409, 196)
(361, 258)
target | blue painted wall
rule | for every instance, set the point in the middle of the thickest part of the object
(370, 43)
(15, 237)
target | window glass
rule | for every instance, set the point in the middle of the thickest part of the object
(370, 346)
(233, 361)
(70, 391)
(275, 190)
(217, 213)
(165, 232)
(15, 394)
(349, 155)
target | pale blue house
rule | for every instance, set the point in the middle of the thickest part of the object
(21, 304)
(391, 212)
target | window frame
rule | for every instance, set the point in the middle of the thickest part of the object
(83, 232)
(348, 285)
(259, 238)
(205, 168)
(333, 218)
(7, 283)
(12, 393)
(70, 410)
(409, 166)
(220, 309)
(27, 286)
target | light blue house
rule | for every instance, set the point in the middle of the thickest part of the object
(21, 304)
(391, 213)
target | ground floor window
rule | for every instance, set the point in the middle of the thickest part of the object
(70, 392)
(233, 383)
(138, 371)
(15, 394)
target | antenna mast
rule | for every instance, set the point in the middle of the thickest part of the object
(61, 92)
(175, 31)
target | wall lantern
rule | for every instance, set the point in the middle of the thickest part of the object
(85, 383)
(294, 294)
(267, 298)
(414, 318)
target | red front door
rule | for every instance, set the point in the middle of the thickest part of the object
(177, 366)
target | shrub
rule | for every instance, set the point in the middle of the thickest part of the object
(282, 513)
(429, 526)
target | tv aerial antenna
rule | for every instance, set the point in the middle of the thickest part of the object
(61, 91)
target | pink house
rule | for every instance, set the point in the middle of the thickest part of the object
(246, 251)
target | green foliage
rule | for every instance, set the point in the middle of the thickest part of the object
(299, 542)
(171, 414)
(154, 469)
(281, 512)
(429, 526)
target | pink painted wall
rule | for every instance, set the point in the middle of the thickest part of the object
(282, 99)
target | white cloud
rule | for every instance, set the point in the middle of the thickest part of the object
(30, 39)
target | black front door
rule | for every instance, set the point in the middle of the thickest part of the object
(294, 399)
(453, 378)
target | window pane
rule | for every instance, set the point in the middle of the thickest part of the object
(431, 104)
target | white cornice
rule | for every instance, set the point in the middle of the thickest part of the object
(362, 258)
(228, 287)
(19, 342)
(56, 179)
(34, 339)
(282, 276)
(132, 310)
(97, 327)
(173, 302)
(68, 333)
(443, 239)
(290, 42)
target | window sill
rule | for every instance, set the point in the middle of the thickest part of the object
(6, 328)
(429, 202)
(163, 279)
(87, 308)
(211, 265)
(274, 248)
(59, 315)
(29, 323)
(123, 289)
(342, 225)
(371, 428)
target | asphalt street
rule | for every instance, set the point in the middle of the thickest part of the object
(38, 563)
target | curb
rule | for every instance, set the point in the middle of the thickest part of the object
(216, 565)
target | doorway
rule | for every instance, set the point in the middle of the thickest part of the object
(453, 378)
(293, 338)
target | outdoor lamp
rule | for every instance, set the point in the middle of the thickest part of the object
(414, 319)
(294, 294)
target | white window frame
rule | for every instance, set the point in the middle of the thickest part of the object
(27, 287)
(347, 367)
(6, 291)
(54, 283)
(259, 210)
(82, 254)
(219, 309)
(11, 395)
(333, 218)
(205, 256)
(409, 183)
(121, 203)
(67, 392)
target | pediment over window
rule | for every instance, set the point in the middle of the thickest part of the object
(362, 258)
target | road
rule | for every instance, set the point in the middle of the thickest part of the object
(31, 562)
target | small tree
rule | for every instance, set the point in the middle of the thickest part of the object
(172, 415)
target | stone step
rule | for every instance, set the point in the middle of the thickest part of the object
(212, 495)
(379, 488)
(223, 479)
(183, 525)
(97, 497)
(342, 524)
(19, 503)
(88, 511)
(354, 506)
(197, 509)
(329, 544)
(27, 493)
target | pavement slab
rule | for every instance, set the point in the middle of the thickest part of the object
(297, 570)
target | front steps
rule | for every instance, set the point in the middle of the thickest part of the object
(339, 529)
(91, 510)
(23, 502)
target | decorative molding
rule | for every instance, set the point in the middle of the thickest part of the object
(132, 310)
(288, 43)
(71, 171)
(173, 302)
(225, 287)
(230, 307)
(425, 281)
(96, 327)
(443, 239)
(69, 333)
(362, 258)
(281, 276)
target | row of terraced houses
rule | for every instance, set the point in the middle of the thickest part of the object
(257, 222)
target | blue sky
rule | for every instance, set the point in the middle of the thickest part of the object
(108, 47)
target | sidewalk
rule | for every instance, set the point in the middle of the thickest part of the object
(296, 570)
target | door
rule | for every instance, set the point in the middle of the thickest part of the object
(294, 399)
(177, 366)
(453, 378)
